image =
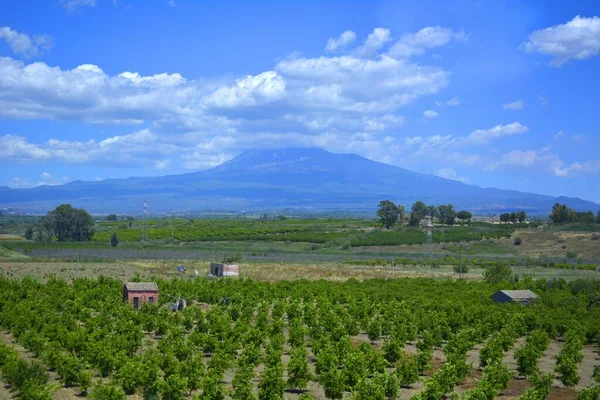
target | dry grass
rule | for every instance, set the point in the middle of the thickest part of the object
(10, 238)
(556, 244)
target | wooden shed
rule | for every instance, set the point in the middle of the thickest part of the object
(514, 296)
(224, 269)
(138, 293)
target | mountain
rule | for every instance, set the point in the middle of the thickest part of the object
(295, 178)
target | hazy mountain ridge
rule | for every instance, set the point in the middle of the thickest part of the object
(302, 178)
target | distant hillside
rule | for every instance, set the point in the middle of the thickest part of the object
(298, 178)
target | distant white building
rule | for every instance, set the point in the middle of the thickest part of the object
(222, 269)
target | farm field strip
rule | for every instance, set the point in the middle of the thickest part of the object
(289, 335)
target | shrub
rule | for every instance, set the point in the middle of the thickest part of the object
(497, 273)
(106, 391)
(517, 241)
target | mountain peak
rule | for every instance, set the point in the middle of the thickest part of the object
(294, 159)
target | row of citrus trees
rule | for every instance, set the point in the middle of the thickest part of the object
(84, 332)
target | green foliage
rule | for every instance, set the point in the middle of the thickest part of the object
(333, 383)
(114, 240)
(111, 217)
(271, 385)
(464, 216)
(590, 393)
(461, 268)
(242, 385)
(174, 387)
(497, 273)
(541, 385)
(83, 325)
(106, 391)
(69, 224)
(299, 373)
(212, 388)
(447, 214)
(388, 213)
(29, 233)
(407, 370)
(562, 214)
(570, 356)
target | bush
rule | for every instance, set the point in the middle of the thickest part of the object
(106, 391)
(517, 241)
(497, 273)
(571, 254)
(461, 269)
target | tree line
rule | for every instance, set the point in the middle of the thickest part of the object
(562, 214)
(391, 214)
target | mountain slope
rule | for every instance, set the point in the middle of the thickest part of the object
(306, 178)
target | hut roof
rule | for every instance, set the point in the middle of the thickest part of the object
(141, 286)
(520, 294)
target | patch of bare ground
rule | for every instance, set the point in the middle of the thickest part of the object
(516, 387)
(547, 363)
(586, 368)
(509, 356)
(556, 244)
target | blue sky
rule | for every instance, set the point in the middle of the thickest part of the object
(494, 93)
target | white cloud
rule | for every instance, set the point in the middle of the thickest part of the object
(46, 179)
(71, 5)
(137, 149)
(591, 167)
(162, 164)
(249, 91)
(578, 39)
(345, 102)
(454, 101)
(546, 161)
(374, 42)
(543, 101)
(515, 105)
(430, 37)
(450, 173)
(27, 46)
(430, 114)
(344, 40)
(558, 135)
(171, 3)
(578, 137)
(484, 136)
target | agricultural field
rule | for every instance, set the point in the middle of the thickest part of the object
(243, 339)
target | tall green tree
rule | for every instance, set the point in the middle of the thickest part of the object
(69, 224)
(505, 217)
(114, 240)
(388, 213)
(464, 216)
(29, 233)
(513, 217)
(447, 214)
(521, 216)
(418, 211)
